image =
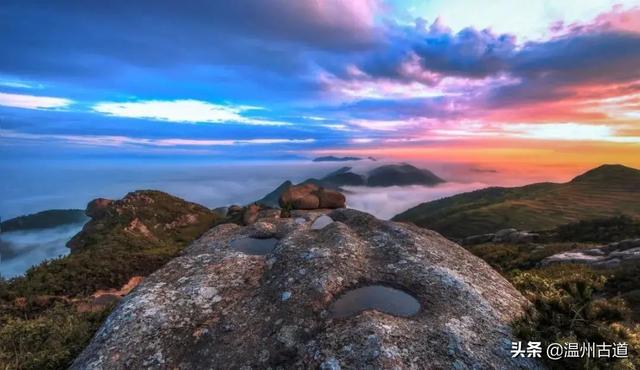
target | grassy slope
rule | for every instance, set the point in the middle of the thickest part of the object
(575, 303)
(605, 191)
(41, 327)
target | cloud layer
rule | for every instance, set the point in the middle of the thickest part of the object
(336, 75)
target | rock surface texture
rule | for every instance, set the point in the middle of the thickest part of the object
(217, 308)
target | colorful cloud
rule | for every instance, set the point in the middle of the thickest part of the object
(399, 77)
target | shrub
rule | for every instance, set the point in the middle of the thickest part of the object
(49, 341)
(603, 230)
(569, 307)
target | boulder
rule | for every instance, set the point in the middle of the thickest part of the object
(294, 192)
(331, 199)
(309, 201)
(250, 214)
(310, 196)
(214, 307)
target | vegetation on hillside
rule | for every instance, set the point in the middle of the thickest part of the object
(42, 325)
(602, 230)
(575, 303)
(606, 191)
(44, 220)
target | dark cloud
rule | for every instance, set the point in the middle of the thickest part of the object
(44, 38)
(468, 53)
(390, 109)
(581, 58)
(539, 71)
(440, 52)
(558, 69)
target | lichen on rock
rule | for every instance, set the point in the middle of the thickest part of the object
(215, 307)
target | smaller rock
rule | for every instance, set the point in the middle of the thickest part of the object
(262, 230)
(331, 199)
(478, 239)
(269, 214)
(250, 214)
(321, 222)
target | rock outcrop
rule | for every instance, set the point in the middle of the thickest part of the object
(214, 307)
(512, 236)
(147, 218)
(249, 214)
(607, 256)
(310, 196)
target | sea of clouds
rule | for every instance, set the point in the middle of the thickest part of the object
(64, 185)
(19, 250)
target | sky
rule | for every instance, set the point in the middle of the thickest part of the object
(500, 83)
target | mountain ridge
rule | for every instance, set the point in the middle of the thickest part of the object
(607, 190)
(403, 174)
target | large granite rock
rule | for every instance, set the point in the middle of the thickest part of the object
(216, 308)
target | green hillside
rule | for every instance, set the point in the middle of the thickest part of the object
(44, 220)
(608, 190)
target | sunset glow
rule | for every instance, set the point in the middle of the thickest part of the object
(515, 84)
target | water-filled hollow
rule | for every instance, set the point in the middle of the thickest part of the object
(254, 246)
(375, 297)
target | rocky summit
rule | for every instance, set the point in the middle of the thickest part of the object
(147, 218)
(301, 304)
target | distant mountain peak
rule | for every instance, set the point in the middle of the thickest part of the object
(332, 158)
(402, 174)
(608, 172)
